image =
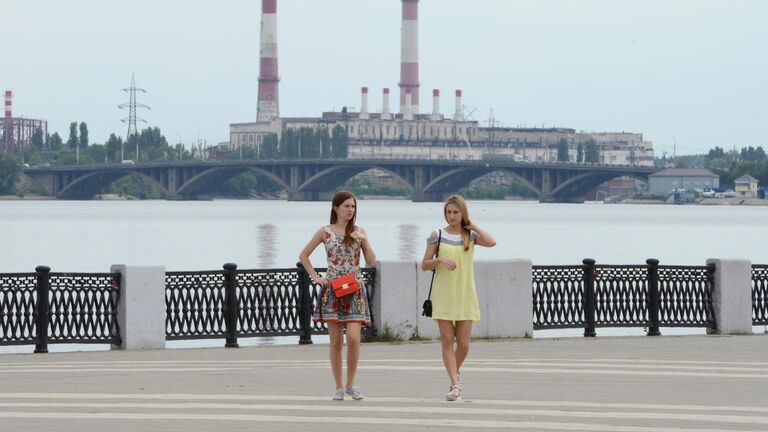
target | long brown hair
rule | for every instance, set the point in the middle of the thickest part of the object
(337, 201)
(459, 202)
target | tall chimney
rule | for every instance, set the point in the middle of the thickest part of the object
(8, 144)
(8, 99)
(407, 109)
(458, 115)
(436, 105)
(268, 107)
(409, 55)
(385, 114)
(364, 104)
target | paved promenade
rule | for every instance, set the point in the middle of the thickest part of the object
(688, 383)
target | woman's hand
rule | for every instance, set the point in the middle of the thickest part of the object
(357, 235)
(447, 263)
(320, 281)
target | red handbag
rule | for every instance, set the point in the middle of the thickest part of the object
(345, 285)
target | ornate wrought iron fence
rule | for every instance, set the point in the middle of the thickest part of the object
(44, 307)
(651, 296)
(685, 296)
(760, 294)
(233, 303)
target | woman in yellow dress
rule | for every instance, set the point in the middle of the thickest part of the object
(454, 298)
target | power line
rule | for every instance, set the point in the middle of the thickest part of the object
(132, 118)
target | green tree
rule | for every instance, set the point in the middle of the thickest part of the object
(325, 142)
(591, 153)
(681, 163)
(83, 134)
(55, 143)
(339, 143)
(37, 140)
(580, 153)
(113, 144)
(9, 174)
(72, 141)
(562, 150)
(268, 148)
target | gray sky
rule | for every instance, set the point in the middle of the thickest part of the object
(690, 72)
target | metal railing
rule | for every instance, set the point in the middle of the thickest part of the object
(233, 303)
(651, 296)
(760, 295)
(43, 307)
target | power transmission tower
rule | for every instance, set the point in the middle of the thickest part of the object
(132, 118)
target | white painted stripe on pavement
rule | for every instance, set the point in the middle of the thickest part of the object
(431, 422)
(365, 407)
(407, 400)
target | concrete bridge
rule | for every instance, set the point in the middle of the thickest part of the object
(312, 180)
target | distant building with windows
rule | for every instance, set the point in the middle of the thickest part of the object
(746, 186)
(665, 181)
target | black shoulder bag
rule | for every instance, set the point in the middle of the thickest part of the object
(427, 306)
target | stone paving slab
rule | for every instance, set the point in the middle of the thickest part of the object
(701, 383)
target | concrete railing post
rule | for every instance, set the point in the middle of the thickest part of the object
(506, 298)
(141, 311)
(397, 303)
(732, 297)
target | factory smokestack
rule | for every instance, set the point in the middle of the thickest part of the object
(458, 115)
(408, 108)
(364, 104)
(436, 105)
(409, 56)
(385, 114)
(8, 101)
(268, 107)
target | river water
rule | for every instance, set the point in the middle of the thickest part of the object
(89, 236)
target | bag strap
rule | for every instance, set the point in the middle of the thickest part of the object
(439, 237)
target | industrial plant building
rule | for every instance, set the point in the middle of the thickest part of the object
(411, 134)
(16, 132)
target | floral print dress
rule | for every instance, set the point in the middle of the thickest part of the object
(342, 260)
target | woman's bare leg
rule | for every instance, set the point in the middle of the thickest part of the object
(353, 351)
(449, 356)
(463, 338)
(337, 343)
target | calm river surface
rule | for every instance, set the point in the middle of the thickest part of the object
(89, 236)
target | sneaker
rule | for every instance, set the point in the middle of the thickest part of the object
(454, 394)
(339, 395)
(355, 393)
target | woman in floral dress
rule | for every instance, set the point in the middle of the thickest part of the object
(343, 241)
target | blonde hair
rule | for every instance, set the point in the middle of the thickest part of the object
(461, 204)
(337, 201)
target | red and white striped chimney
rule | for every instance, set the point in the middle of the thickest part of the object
(268, 107)
(409, 55)
(385, 114)
(458, 115)
(436, 105)
(8, 100)
(364, 104)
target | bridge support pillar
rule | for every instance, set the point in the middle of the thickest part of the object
(309, 196)
(421, 196)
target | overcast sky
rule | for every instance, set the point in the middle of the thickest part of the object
(688, 72)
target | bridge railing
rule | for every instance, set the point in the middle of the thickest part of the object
(760, 294)
(651, 296)
(232, 303)
(43, 307)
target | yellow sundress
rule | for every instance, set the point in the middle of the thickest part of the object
(454, 296)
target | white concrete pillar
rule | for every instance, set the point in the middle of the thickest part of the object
(732, 298)
(396, 304)
(506, 298)
(141, 311)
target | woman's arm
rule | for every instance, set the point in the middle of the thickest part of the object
(368, 253)
(315, 241)
(483, 238)
(430, 262)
